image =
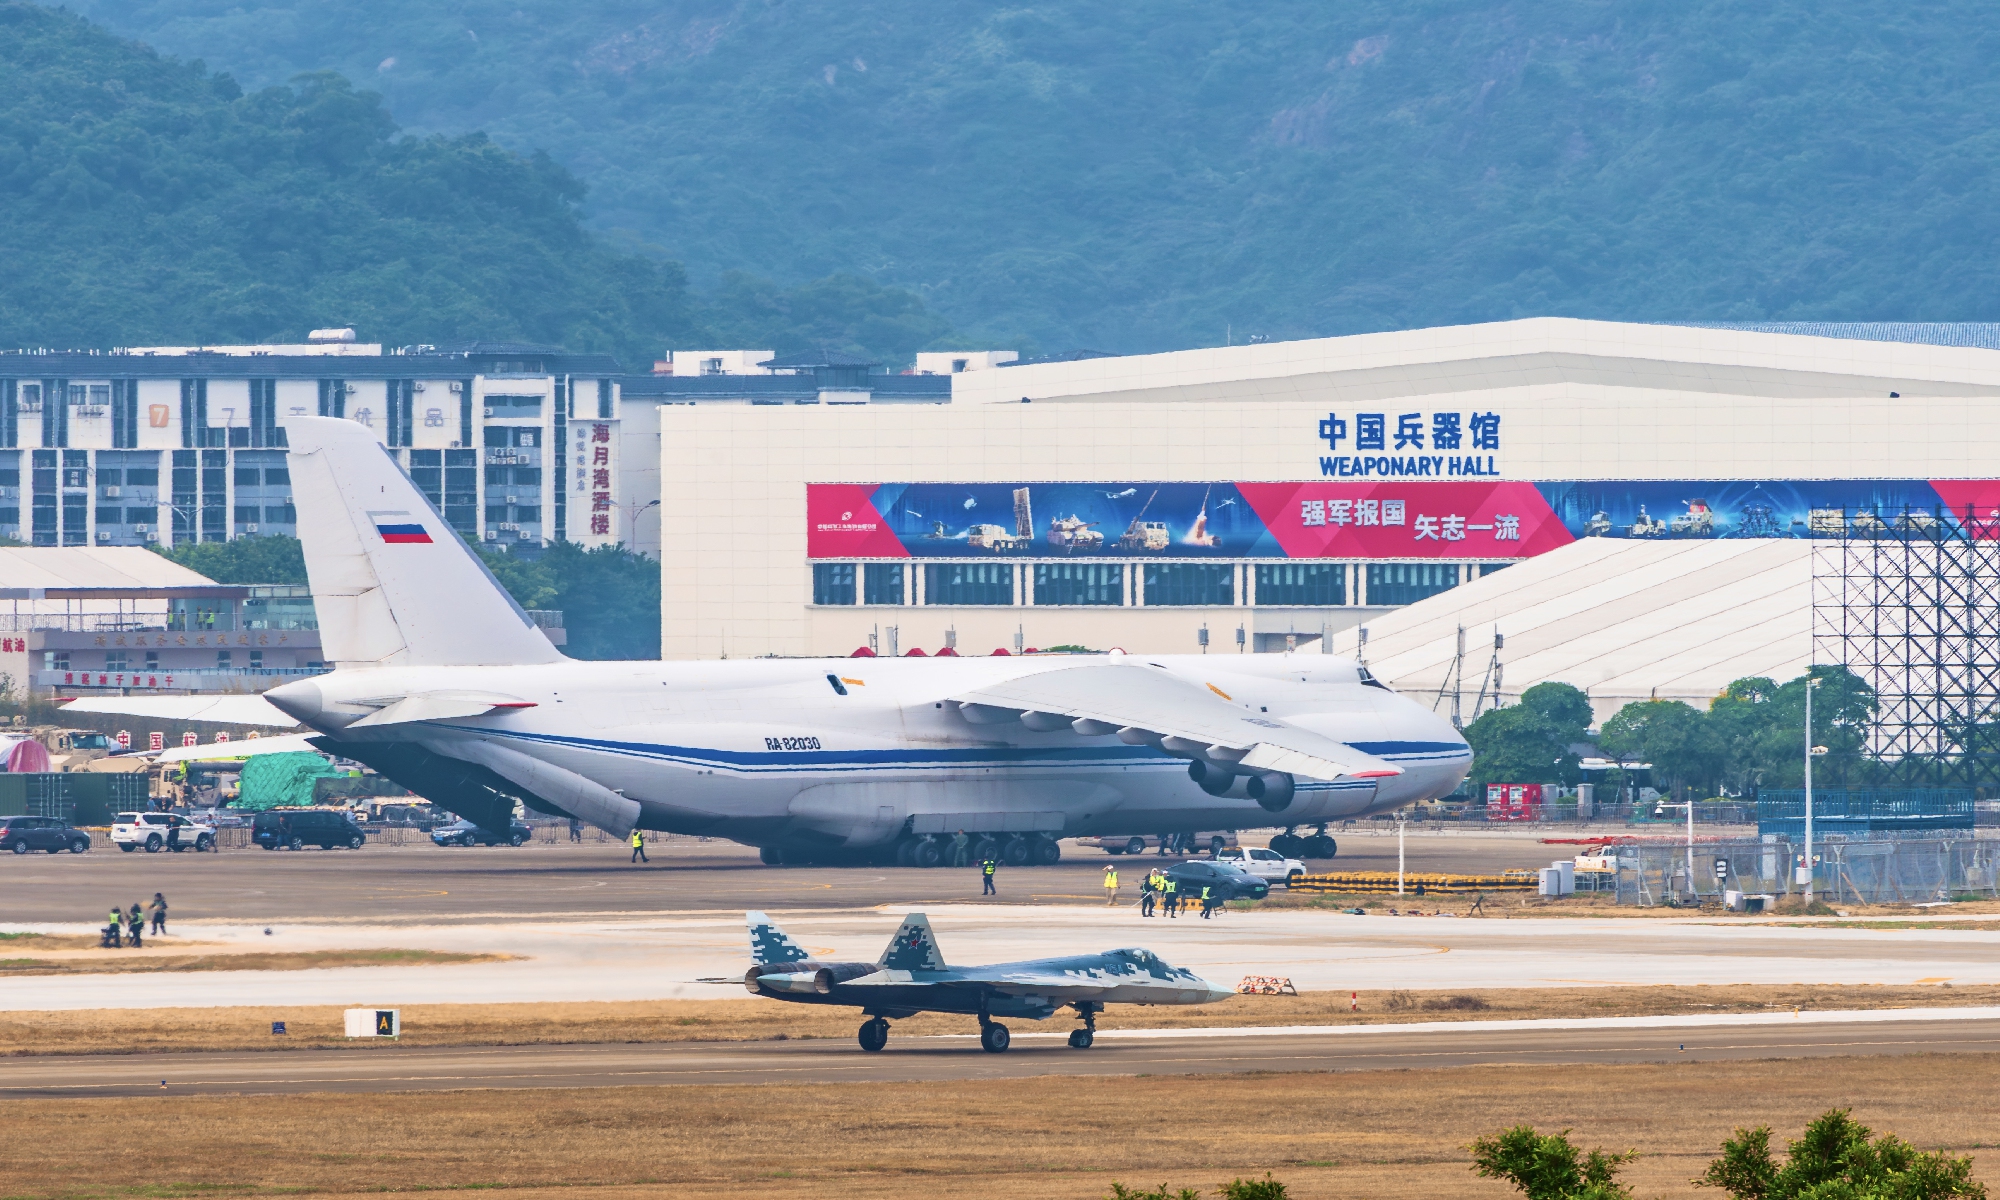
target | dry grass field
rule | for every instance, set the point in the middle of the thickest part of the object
(741, 1017)
(1384, 1135)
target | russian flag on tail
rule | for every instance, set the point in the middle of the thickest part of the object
(399, 527)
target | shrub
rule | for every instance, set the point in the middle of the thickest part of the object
(1834, 1160)
(1266, 1188)
(1120, 1192)
(1459, 1003)
(1548, 1167)
(1400, 1001)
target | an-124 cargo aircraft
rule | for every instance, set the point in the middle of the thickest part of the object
(442, 683)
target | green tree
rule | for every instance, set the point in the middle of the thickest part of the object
(1835, 1160)
(272, 558)
(1548, 1167)
(1530, 742)
(1675, 738)
(610, 599)
(1760, 727)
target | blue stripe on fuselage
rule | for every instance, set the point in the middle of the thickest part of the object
(787, 762)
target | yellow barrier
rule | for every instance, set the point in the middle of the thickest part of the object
(1384, 882)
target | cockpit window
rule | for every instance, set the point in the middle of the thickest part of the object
(1368, 680)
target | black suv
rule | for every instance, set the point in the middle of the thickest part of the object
(1223, 882)
(297, 828)
(465, 833)
(22, 834)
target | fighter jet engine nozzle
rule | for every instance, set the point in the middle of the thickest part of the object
(1272, 790)
(820, 981)
(1214, 780)
(753, 979)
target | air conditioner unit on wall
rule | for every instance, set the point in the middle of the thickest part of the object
(352, 390)
(104, 535)
(250, 528)
(417, 387)
(111, 493)
(457, 386)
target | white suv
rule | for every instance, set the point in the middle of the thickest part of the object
(1268, 865)
(153, 832)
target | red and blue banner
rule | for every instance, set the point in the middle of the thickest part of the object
(1360, 519)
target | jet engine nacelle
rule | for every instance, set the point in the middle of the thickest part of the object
(1272, 790)
(1214, 780)
(820, 981)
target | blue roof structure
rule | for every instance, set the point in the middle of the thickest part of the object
(1975, 335)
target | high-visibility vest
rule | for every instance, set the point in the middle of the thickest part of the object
(1111, 879)
(1169, 887)
(638, 839)
(989, 866)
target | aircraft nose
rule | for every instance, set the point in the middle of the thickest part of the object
(1216, 991)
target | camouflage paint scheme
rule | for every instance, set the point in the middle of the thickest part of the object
(911, 977)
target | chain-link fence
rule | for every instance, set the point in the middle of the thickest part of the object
(1875, 871)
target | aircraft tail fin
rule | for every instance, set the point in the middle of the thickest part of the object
(770, 945)
(393, 584)
(914, 948)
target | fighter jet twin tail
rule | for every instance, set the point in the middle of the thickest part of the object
(911, 977)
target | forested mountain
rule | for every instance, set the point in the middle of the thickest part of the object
(1139, 176)
(147, 200)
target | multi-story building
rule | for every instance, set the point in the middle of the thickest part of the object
(517, 445)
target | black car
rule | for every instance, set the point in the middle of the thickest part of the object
(297, 828)
(465, 833)
(1223, 882)
(22, 834)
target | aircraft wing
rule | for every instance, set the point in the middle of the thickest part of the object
(226, 710)
(1148, 706)
(1013, 983)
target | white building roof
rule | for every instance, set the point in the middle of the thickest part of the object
(93, 567)
(1542, 351)
(1623, 620)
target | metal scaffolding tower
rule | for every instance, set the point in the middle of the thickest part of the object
(1911, 604)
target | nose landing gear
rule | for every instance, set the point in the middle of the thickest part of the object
(1080, 1039)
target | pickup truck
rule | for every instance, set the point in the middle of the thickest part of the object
(153, 832)
(1267, 865)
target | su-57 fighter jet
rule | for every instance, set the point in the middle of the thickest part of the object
(911, 977)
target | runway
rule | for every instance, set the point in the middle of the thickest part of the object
(395, 1069)
(662, 957)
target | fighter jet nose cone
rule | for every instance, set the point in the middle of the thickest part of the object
(302, 701)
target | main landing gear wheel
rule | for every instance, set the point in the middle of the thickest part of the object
(1079, 1039)
(874, 1034)
(993, 1038)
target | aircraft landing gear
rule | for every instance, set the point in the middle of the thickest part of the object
(993, 1038)
(874, 1034)
(1080, 1039)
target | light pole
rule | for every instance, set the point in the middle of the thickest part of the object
(1805, 871)
(633, 525)
(1399, 852)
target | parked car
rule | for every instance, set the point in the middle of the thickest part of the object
(1208, 841)
(465, 833)
(22, 834)
(297, 828)
(1268, 865)
(1223, 881)
(157, 831)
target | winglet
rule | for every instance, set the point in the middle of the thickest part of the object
(914, 948)
(769, 944)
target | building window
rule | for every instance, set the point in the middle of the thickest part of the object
(882, 583)
(1210, 584)
(222, 660)
(1302, 583)
(833, 583)
(1486, 569)
(281, 514)
(1079, 583)
(55, 660)
(1407, 583)
(117, 660)
(968, 583)
(256, 660)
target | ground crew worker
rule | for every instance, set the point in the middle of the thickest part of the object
(986, 870)
(961, 852)
(639, 847)
(1111, 887)
(159, 907)
(575, 830)
(1207, 904)
(1171, 896)
(111, 931)
(1148, 893)
(135, 926)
